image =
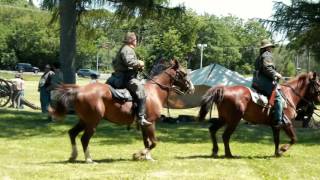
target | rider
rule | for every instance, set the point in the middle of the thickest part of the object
(127, 65)
(265, 79)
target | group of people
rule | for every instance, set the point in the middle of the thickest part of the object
(126, 67)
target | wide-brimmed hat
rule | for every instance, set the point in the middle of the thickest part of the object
(266, 43)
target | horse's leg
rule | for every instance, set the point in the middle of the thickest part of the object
(276, 140)
(73, 132)
(149, 140)
(216, 125)
(226, 137)
(289, 130)
(88, 132)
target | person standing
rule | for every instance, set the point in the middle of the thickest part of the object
(126, 67)
(94, 78)
(44, 83)
(56, 80)
(265, 79)
(18, 91)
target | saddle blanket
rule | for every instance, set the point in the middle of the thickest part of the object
(262, 100)
(121, 94)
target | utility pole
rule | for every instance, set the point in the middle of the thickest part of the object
(201, 47)
(308, 58)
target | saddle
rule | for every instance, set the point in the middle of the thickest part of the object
(120, 94)
(265, 102)
(268, 103)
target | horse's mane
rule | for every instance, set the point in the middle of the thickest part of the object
(297, 78)
(159, 68)
(298, 81)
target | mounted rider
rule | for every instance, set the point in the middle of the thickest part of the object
(265, 79)
(126, 67)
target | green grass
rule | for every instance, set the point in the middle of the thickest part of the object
(33, 149)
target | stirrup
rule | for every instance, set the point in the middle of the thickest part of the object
(279, 125)
(144, 122)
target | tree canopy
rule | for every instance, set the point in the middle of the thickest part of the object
(300, 22)
(27, 36)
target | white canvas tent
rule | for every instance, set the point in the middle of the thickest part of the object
(203, 79)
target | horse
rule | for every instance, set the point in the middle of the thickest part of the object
(235, 102)
(95, 101)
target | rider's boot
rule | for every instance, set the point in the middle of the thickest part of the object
(141, 112)
(278, 124)
(278, 111)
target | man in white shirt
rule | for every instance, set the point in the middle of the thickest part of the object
(18, 91)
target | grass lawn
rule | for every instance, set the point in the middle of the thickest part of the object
(33, 149)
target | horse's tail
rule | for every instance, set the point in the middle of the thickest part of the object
(213, 95)
(65, 98)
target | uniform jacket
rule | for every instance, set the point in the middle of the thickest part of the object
(265, 73)
(125, 67)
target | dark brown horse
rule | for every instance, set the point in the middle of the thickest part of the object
(234, 103)
(94, 102)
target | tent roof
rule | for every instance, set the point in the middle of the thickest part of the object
(215, 74)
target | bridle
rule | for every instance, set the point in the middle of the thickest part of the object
(173, 80)
(315, 85)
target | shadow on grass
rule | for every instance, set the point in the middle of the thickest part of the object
(19, 124)
(223, 157)
(107, 160)
(23, 124)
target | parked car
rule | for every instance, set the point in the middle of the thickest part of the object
(26, 67)
(87, 73)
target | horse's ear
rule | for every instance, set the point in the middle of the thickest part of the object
(314, 76)
(174, 63)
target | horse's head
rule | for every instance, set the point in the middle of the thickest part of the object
(314, 87)
(181, 81)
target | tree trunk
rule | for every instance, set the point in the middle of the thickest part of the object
(68, 17)
(31, 3)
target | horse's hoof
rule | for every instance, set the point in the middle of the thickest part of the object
(229, 156)
(278, 154)
(141, 155)
(72, 160)
(90, 161)
(150, 159)
(284, 148)
(138, 157)
(214, 155)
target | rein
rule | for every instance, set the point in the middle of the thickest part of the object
(302, 98)
(167, 88)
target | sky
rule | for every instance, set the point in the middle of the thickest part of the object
(244, 9)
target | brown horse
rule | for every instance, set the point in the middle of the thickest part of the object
(94, 102)
(235, 102)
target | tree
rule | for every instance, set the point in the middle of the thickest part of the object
(300, 22)
(26, 37)
(69, 12)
